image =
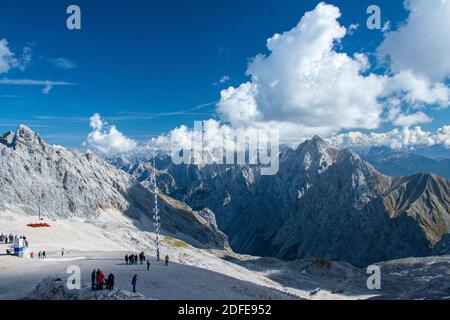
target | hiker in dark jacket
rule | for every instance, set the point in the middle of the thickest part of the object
(166, 260)
(126, 259)
(134, 282)
(93, 276)
(148, 264)
(110, 282)
(135, 258)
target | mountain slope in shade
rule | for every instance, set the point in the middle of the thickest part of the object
(323, 202)
(405, 163)
(36, 176)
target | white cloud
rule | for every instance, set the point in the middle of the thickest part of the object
(352, 28)
(8, 59)
(63, 63)
(422, 43)
(224, 79)
(407, 120)
(303, 82)
(46, 84)
(238, 105)
(304, 86)
(47, 88)
(417, 90)
(396, 138)
(106, 139)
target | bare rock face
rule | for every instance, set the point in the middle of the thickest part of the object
(61, 183)
(323, 202)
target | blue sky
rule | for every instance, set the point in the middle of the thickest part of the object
(145, 66)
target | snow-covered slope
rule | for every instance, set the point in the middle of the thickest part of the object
(193, 273)
(60, 183)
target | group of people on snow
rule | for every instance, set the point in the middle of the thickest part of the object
(9, 238)
(133, 258)
(5, 238)
(99, 281)
(13, 240)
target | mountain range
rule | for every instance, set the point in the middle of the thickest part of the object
(402, 163)
(324, 201)
(60, 183)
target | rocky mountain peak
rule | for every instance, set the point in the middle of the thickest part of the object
(24, 136)
(314, 155)
(62, 183)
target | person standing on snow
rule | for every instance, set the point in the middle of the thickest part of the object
(100, 279)
(93, 277)
(126, 259)
(167, 260)
(62, 252)
(148, 264)
(110, 282)
(134, 282)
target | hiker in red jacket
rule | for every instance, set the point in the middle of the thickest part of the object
(100, 280)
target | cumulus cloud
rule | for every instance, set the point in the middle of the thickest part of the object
(305, 81)
(417, 57)
(106, 139)
(8, 59)
(417, 90)
(395, 139)
(304, 86)
(421, 44)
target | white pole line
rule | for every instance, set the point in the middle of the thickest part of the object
(156, 216)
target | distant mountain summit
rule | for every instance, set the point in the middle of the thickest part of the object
(61, 183)
(323, 202)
